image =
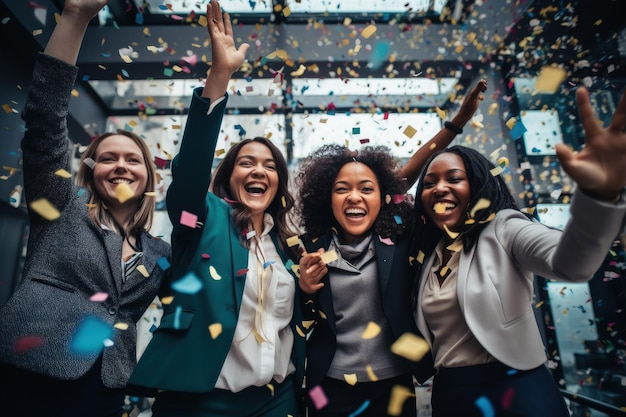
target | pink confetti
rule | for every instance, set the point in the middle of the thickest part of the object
(319, 397)
(27, 343)
(99, 297)
(188, 219)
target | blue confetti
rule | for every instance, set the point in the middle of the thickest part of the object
(268, 263)
(398, 219)
(359, 410)
(485, 406)
(90, 336)
(189, 284)
(163, 263)
(179, 310)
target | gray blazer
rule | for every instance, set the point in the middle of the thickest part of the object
(70, 259)
(495, 279)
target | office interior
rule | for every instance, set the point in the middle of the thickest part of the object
(382, 72)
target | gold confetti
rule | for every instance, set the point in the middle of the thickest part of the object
(143, 271)
(271, 388)
(62, 173)
(368, 31)
(215, 330)
(481, 204)
(283, 201)
(371, 331)
(453, 235)
(307, 323)
(549, 79)
(440, 208)
(329, 256)
(121, 326)
(150, 194)
(123, 192)
(409, 132)
(410, 346)
(370, 373)
(167, 300)
(300, 332)
(220, 152)
(442, 113)
(350, 379)
(45, 209)
(496, 171)
(293, 241)
(511, 122)
(399, 394)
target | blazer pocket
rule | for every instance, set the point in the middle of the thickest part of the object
(176, 321)
(55, 283)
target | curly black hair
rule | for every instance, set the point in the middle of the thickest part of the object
(318, 172)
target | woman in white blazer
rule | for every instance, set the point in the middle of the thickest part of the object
(473, 294)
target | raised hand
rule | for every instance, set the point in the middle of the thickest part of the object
(312, 270)
(599, 168)
(225, 56)
(470, 104)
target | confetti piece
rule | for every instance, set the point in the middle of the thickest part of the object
(62, 173)
(485, 406)
(410, 346)
(329, 256)
(143, 271)
(387, 199)
(188, 219)
(251, 234)
(89, 162)
(361, 408)
(90, 336)
(45, 209)
(455, 246)
(163, 263)
(368, 31)
(121, 326)
(496, 171)
(451, 234)
(99, 297)
(371, 331)
(307, 323)
(318, 397)
(215, 330)
(214, 274)
(481, 204)
(511, 122)
(440, 208)
(370, 373)
(387, 241)
(300, 332)
(167, 300)
(549, 79)
(189, 284)
(399, 394)
(350, 379)
(123, 192)
(24, 344)
(150, 194)
(409, 131)
(293, 241)
(420, 257)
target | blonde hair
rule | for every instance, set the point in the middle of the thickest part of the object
(98, 212)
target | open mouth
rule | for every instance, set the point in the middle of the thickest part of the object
(442, 207)
(120, 181)
(255, 188)
(355, 212)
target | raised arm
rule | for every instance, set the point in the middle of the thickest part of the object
(67, 37)
(444, 137)
(226, 57)
(599, 168)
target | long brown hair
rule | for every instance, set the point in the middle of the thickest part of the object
(98, 212)
(279, 207)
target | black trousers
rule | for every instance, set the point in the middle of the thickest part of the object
(27, 394)
(496, 390)
(365, 399)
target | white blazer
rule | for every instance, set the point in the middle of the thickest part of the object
(495, 279)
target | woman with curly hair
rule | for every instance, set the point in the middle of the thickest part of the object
(352, 204)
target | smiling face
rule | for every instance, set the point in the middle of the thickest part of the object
(254, 180)
(119, 160)
(446, 192)
(356, 200)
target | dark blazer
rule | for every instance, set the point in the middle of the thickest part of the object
(395, 283)
(182, 355)
(71, 258)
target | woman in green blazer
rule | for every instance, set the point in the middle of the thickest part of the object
(228, 343)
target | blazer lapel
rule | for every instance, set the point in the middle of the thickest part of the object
(113, 246)
(465, 260)
(240, 265)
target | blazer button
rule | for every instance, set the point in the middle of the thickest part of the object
(112, 310)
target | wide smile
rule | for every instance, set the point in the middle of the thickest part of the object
(255, 188)
(355, 213)
(120, 181)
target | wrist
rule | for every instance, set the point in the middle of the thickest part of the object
(454, 128)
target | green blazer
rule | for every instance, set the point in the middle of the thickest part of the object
(182, 356)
